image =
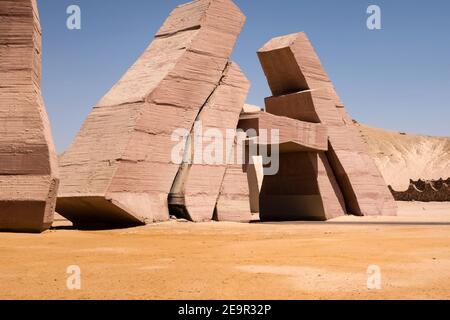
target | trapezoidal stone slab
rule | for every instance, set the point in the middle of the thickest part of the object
(197, 186)
(305, 188)
(234, 201)
(255, 176)
(303, 91)
(243, 180)
(233, 204)
(119, 169)
(28, 164)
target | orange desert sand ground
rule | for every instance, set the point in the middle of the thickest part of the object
(177, 260)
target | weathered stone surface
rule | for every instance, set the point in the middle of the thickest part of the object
(255, 177)
(233, 203)
(291, 65)
(234, 200)
(304, 189)
(249, 108)
(303, 91)
(121, 158)
(28, 165)
(197, 186)
(294, 135)
(243, 183)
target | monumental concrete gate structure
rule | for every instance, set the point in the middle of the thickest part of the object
(28, 164)
(134, 160)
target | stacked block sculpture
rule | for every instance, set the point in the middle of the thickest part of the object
(302, 91)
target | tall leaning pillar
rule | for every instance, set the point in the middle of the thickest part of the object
(120, 169)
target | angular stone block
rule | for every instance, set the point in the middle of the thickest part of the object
(197, 186)
(28, 164)
(303, 91)
(291, 64)
(304, 189)
(249, 108)
(294, 135)
(255, 176)
(234, 201)
(255, 167)
(122, 157)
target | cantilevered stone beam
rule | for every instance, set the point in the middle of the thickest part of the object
(119, 169)
(303, 91)
(294, 135)
(28, 165)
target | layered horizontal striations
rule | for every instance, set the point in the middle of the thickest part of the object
(28, 167)
(213, 136)
(123, 153)
(292, 135)
(233, 204)
(304, 189)
(234, 199)
(304, 186)
(291, 65)
(303, 91)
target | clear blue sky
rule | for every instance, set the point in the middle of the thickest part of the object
(396, 78)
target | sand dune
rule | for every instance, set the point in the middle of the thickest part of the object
(402, 157)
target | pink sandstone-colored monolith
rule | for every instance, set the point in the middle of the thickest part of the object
(119, 169)
(28, 164)
(302, 90)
